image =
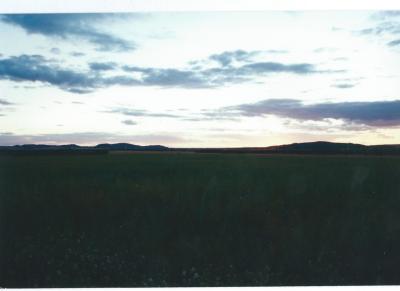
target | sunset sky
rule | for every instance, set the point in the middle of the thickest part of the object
(200, 79)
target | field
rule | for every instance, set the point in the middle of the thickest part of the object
(182, 219)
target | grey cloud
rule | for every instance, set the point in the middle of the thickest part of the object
(217, 76)
(226, 58)
(389, 27)
(385, 28)
(5, 102)
(326, 126)
(55, 51)
(92, 138)
(5, 106)
(129, 122)
(97, 66)
(394, 42)
(386, 14)
(272, 67)
(70, 26)
(343, 85)
(77, 54)
(174, 78)
(37, 68)
(375, 113)
(277, 51)
(139, 113)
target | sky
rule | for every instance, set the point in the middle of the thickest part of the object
(200, 79)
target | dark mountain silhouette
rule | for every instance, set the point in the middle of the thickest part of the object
(129, 147)
(319, 147)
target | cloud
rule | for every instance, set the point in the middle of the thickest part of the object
(376, 113)
(326, 125)
(90, 138)
(394, 42)
(343, 85)
(139, 113)
(36, 68)
(277, 51)
(77, 54)
(129, 122)
(272, 67)
(96, 66)
(223, 74)
(226, 58)
(70, 26)
(5, 106)
(389, 27)
(5, 102)
(386, 14)
(325, 50)
(55, 51)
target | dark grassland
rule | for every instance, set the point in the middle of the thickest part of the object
(198, 220)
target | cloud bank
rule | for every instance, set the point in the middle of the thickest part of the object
(70, 26)
(375, 113)
(36, 68)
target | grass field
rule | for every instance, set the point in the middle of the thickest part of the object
(182, 219)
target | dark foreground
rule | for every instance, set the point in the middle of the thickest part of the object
(183, 219)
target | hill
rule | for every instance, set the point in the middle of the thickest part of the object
(319, 147)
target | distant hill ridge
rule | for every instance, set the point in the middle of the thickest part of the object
(319, 147)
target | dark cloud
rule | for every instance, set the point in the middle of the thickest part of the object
(376, 113)
(96, 66)
(129, 122)
(70, 26)
(36, 68)
(92, 138)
